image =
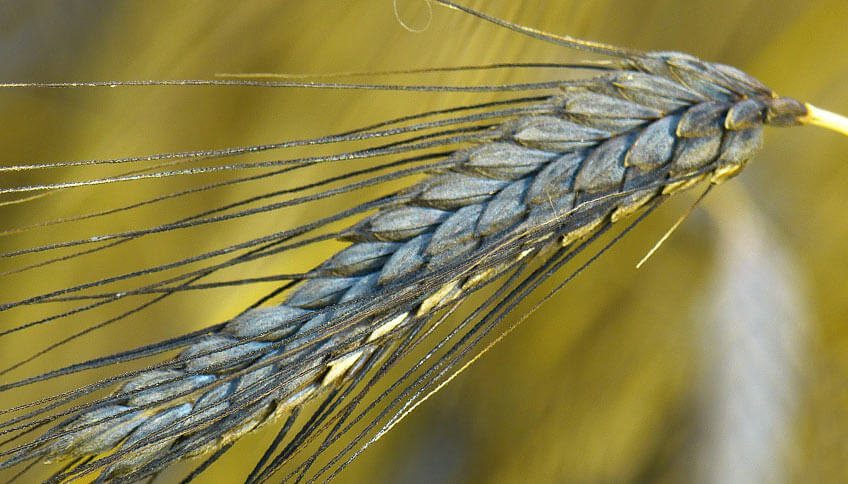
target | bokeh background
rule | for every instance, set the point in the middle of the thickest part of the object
(723, 359)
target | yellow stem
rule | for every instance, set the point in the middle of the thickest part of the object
(825, 119)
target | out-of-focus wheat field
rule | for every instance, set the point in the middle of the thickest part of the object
(723, 359)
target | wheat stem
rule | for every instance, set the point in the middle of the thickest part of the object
(825, 119)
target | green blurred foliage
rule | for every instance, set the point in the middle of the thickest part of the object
(601, 384)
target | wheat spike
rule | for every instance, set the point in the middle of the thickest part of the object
(541, 179)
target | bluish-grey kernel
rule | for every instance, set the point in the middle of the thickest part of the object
(654, 146)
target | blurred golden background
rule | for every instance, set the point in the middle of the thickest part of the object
(723, 359)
